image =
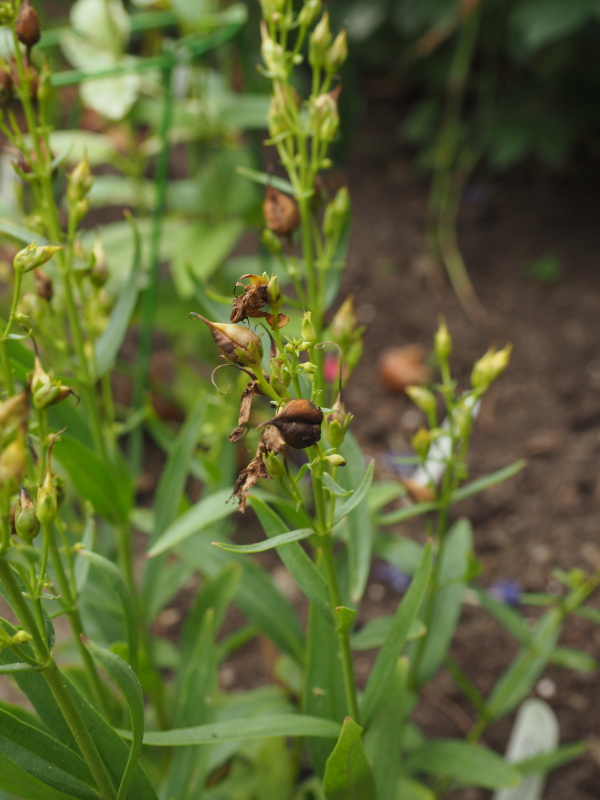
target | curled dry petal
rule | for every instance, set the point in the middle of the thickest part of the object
(245, 407)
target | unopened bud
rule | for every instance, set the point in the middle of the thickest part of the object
(442, 343)
(7, 12)
(272, 7)
(28, 25)
(309, 12)
(27, 524)
(33, 256)
(338, 52)
(319, 42)
(21, 637)
(13, 461)
(270, 241)
(489, 367)
(99, 272)
(275, 467)
(324, 117)
(237, 343)
(344, 322)
(274, 295)
(47, 505)
(308, 332)
(80, 181)
(337, 423)
(336, 460)
(422, 398)
(308, 367)
(14, 410)
(462, 421)
(272, 53)
(44, 88)
(421, 442)
(336, 214)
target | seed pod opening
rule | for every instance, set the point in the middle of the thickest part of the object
(299, 423)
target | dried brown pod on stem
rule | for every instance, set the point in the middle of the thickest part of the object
(299, 423)
(281, 212)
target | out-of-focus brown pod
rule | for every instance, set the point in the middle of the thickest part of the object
(281, 212)
(43, 284)
(28, 28)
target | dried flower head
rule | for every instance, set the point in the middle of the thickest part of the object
(281, 212)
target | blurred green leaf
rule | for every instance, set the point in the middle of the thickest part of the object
(471, 764)
(549, 761)
(570, 658)
(266, 544)
(18, 783)
(374, 633)
(348, 774)
(540, 22)
(20, 233)
(125, 679)
(481, 484)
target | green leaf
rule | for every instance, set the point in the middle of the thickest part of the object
(359, 526)
(406, 513)
(267, 544)
(48, 626)
(540, 22)
(113, 577)
(546, 762)
(198, 249)
(297, 562)
(391, 650)
(475, 487)
(358, 495)
(267, 180)
(374, 633)
(334, 487)
(169, 492)
(348, 775)
(261, 727)
(262, 602)
(447, 602)
(409, 789)
(107, 485)
(9, 228)
(511, 620)
(345, 619)
(109, 343)
(570, 658)
(521, 675)
(125, 679)
(18, 666)
(204, 513)
(471, 764)
(384, 736)
(18, 783)
(45, 758)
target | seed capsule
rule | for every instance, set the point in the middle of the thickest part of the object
(28, 25)
(299, 423)
(281, 212)
(27, 524)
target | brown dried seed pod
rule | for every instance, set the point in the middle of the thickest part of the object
(43, 284)
(299, 423)
(28, 25)
(281, 212)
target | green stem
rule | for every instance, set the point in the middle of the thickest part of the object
(58, 685)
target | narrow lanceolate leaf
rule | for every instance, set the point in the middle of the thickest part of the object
(298, 563)
(348, 774)
(263, 727)
(471, 764)
(113, 577)
(447, 603)
(21, 234)
(391, 649)
(546, 762)
(125, 679)
(204, 513)
(334, 487)
(479, 485)
(45, 758)
(267, 180)
(521, 675)
(18, 783)
(267, 544)
(359, 526)
(406, 513)
(18, 666)
(111, 339)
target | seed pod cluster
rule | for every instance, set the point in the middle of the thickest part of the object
(281, 212)
(299, 423)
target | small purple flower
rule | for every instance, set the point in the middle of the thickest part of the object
(393, 577)
(506, 591)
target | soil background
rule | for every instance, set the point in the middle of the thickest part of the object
(545, 408)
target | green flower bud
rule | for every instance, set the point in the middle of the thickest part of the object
(13, 461)
(338, 52)
(422, 398)
(271, 8)
(308, 367)
(336, 460)
(14, 410)
(462, 421)
(27, 524)
(324, 117)
(336, 214)
(442, 343)
(99, 273)
(309, 12)
(33, 256)
(271, 241)
(274, 466)
(309, 334)
(21, 637)
(7, 13)
(44, 88)
(336, 424)
(47, 505)
(421, 442)
(80, 181)
(237, 343)
(274, 295)
(489, 367)
(272, 53)
(319, 42)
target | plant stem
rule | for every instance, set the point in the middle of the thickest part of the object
(57, 685)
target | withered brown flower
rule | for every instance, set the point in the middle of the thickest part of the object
(254, 297)
(281, 212)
